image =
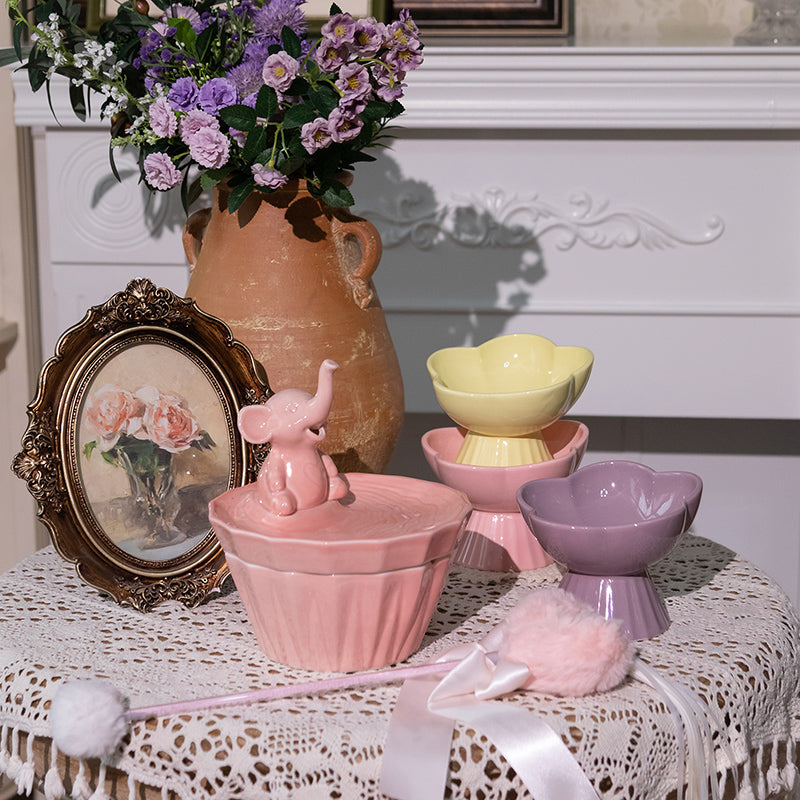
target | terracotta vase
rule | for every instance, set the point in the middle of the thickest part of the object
(291, 276)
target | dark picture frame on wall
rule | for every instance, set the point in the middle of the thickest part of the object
(550, 18)
(132, 432)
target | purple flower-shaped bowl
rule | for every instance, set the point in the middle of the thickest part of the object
(608, 523)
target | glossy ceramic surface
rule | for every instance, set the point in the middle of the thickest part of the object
(505, 391)
(496, 537)
(340, 622)
(350, 584)
(613, 520)
(509, 386)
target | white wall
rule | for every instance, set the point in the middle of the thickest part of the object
(18, 329)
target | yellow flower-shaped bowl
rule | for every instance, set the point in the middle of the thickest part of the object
(505, 391)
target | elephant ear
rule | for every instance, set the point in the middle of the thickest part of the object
(254, 424)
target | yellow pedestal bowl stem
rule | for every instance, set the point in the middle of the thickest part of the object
(503, 451)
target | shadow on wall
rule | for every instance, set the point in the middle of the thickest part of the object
(162, 212)
(474, 261)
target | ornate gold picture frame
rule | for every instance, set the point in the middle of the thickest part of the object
(548, 18)
(132, 432)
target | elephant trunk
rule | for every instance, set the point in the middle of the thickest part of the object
(322, 400)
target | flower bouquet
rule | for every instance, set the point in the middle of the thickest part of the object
(139, 432)
(230, 92)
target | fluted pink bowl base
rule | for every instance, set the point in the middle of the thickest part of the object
(497, 537)
(631, 599)
(500, 543)
(339, 623)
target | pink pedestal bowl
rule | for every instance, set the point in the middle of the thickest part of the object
(608, 523)
(496, 536)
(350, 584)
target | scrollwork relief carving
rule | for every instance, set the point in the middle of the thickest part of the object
(498, 220)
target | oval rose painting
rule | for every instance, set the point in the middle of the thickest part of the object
(154, 447)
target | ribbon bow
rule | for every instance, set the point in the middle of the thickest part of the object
(417, 751)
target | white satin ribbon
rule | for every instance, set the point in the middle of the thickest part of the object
(417, 751)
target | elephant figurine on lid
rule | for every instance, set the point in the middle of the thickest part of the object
(295, 475)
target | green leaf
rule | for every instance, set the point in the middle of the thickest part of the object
(239, 194)
(324, 99)
(207, 181)
(77, 100)
(255, 143)
(291, 42)
(297, 116)
(376, 110)
(184, 33)
(112, 163)
(266, 102)
(19, 30)
(88, 448)
(243, 118)
(335, 9)
(205, 39)
(108, 458)
(337, 195)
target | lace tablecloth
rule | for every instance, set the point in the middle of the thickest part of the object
(733, 639)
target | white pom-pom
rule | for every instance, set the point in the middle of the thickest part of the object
(88, 718)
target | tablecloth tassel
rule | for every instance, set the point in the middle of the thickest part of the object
(5, 755)
(131, 786)
(14, 762)
(53, 785)
(774, 774)
(81, 790)
(100, 792)
(27, 771)
(762, 780)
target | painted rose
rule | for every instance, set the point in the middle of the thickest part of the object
(168, 422)
(112, 411)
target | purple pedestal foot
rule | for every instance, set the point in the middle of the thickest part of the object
(631, 599)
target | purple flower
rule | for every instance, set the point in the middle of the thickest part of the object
(280, 69)
(330, 56)
(246, 77)
(183, 94)
(368, 36)
(209, 147)
(195, 121)
(340, 29)
(314, 135)
(406, 58)
(162, 118)
(343, 125)
(353, 105)
(353, 81)
(179, 11)
(269, 177)
(240, 137)
(160, 172)
(216, 94)
(390, 85)
(270, 19)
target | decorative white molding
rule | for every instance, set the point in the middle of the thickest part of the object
(496, 220)
(469, 87)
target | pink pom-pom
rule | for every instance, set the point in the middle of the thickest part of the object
(569, 649)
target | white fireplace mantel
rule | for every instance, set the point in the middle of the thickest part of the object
(563, 87)
(659, 186)
(653, 195)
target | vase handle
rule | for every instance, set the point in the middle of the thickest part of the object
(371, 250)
(193, 232)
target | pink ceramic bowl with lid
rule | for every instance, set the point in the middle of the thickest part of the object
(347, 585)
